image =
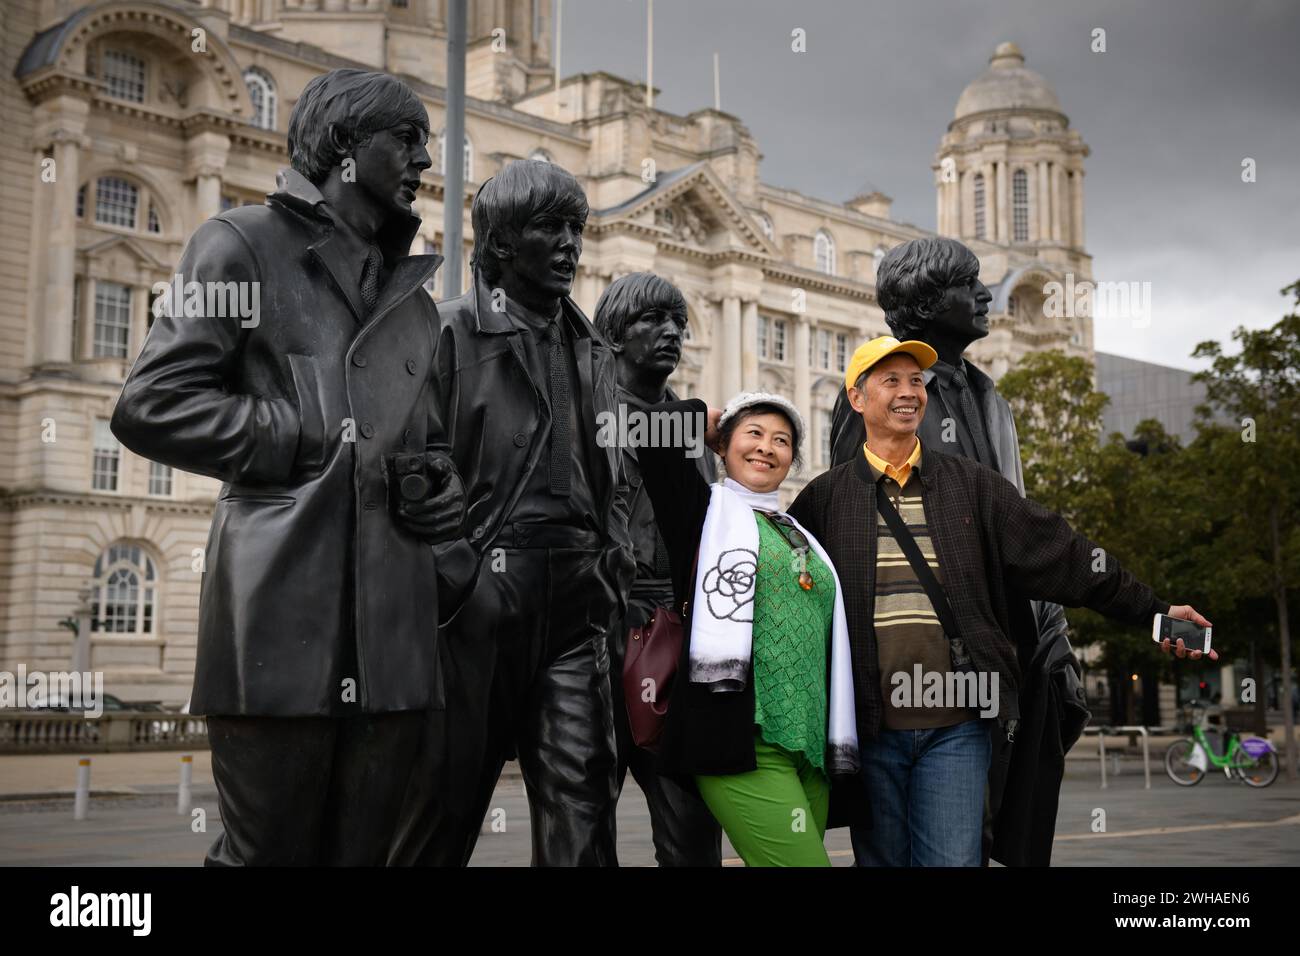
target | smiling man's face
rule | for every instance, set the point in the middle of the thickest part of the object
(964, 312)
(892, 398)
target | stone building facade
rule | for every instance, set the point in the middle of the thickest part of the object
(129, 122)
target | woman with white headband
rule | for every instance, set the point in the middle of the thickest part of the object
(760, 714)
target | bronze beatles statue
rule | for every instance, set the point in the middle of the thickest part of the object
(317, 643)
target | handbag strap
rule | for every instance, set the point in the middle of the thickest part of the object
(690, 581)
(903, 535)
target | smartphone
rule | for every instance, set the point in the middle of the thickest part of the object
(1195, 637)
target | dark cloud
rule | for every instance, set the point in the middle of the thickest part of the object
(1185, 90)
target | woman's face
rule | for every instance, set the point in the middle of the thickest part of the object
(760, 451)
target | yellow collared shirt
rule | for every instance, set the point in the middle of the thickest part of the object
(900, 474)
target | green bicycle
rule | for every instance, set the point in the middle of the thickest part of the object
(1252, 760)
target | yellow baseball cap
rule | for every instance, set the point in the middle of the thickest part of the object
(869, 353)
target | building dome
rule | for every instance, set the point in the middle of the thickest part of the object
(1007, 85)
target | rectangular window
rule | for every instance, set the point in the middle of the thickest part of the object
(778, 340)
(979, 206)
(108, 452)
(123, 76)
(764, 335)
(841, 352)
(823, 349)
(1020, 206)
(115, 202)
(160, 479)
(825, 438)
(112, 319)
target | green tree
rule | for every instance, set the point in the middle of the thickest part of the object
(1141, 500)
(1259, 386)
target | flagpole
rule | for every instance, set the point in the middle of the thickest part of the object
(717, 84)
(650, 55)
(453, 171)
(559, 13)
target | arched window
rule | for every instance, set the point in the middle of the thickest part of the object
(538, 154)
(121, 203)
(116, 202)
(123, 75)
(980, 229)
(261, 90)
(442, 155)
(824, 252)
(125, 591)
(1020, 206)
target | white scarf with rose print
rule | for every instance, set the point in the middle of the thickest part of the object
(722, 612)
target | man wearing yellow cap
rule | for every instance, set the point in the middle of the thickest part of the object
(925, 544)
(930, 290)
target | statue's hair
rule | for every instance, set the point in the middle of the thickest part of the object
(632, 296)
(913, 277)
(356, 102)
(522, 191)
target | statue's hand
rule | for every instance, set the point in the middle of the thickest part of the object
(712, 437)
(440, 516)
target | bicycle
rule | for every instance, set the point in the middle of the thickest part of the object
(1253, 760)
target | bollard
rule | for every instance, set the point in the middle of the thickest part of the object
(82, 801)
(184, 797)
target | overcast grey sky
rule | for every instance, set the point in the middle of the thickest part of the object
(1185, 90)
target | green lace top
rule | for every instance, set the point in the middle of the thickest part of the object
(792, 635)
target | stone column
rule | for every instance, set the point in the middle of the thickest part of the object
(67, 121)
(802, 373)
(749, 345)
(1076, 207)
(990, 201)
(1004, 216)
(206, 158)
(729, 347)
(1044, 203)
(87, 344)
(1067, 212)
(1058, 230)
(139, 320)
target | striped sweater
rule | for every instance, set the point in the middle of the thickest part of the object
(908, 631)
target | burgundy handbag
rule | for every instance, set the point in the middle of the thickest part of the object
(649, 665)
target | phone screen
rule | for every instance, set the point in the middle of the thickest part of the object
(1194, 636)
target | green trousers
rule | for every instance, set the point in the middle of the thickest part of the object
(774, 815)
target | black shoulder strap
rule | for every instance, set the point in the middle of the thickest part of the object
(923, 572)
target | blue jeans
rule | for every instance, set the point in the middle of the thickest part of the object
(926, 792)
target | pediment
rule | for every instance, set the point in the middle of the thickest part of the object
(693, 207)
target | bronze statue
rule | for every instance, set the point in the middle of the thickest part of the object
(643, 317)
(317, 642)
(541, 575)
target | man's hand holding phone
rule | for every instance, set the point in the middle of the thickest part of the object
(1183, 612)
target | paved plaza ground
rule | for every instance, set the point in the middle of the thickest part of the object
(133, 819)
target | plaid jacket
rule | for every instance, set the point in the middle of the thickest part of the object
(987, 539)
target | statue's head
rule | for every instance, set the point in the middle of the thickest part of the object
(931, 288)
(371, 128)
(643, 317)
(528, 222)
